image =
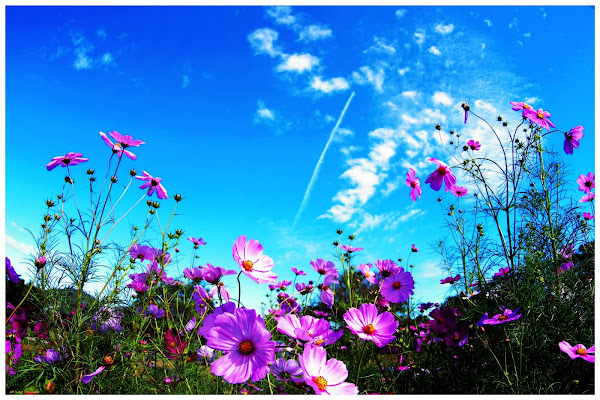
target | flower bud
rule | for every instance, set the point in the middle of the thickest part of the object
(68, 180)
(439, 199)
(151, 211)
(149, 202)
(155, 204)
(132, 172)
(179, 232)
(178, 197)
(47, 217)
(336, 243)
(438, 127)
(113, 179)
(50, 387)
(40, 262)
(351, 237)
(49, 203)
(92, 179)
(132, 260)
(90, 172)
(465, 106)
(499, 118)
(57, 217)
(452, 132)
(465, 148)
(339, 231)
(505, 123)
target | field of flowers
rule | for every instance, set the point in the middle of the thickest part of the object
(519, 254)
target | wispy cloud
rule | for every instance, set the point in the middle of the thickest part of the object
(435, 50)
(410, 94)
(381, 46)
(263, 41)
(298, 63)
(366, 75)
(314, 32)
(403, 71)
(263, 113)
(281, 15)
(82, 48)
(18, 227)
(329, 85)
(513, 23)
(107, 59)
(19, 247)
(318, 166)
(442, 98)
(400, 13)
(101, 33)
(444, 29)
(527, 35)
(186, 81)
(419, 36)
(488, 22)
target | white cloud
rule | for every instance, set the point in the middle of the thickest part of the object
(15, 225)
(403, 71)
(186, 81)
(82, 62)
(19, 247)
(486, 106)
(442, 98)
(263, 41)
(101, 33)
(512, 23)
(410, 94)
(531, 100)
(419, 36)
(298, 63)
(367, 75)
(381, 46)
(82, 48)
(314, 32)
(519, 43)
(444, 29)
(263, 113)
(482, 46)
(488, 22)
(330, 85)
(281, 15)
(107, 59)
(410, 120)
(528, 34)
(400, 13)
(390, 187)
(435, 50)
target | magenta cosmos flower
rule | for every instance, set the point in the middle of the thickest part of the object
(153, 184)
(503, 272)
(326, 268)
(450, 279)
(387, 267)
(197, 242)
(10, 271)
(88, 378)
(123, 141)
(368, 325)
(248, 344)
(572, 139)
(519, 105)
(506, 316)
(398, 287)
(459, 191)
(587, 197)
(473, 145)
(325, 376)
(443, 174)
(578, 351)
(366, 270)
(287, 370)
(414, 248)
(586, 183)
(250, 258)
(298, 272)
(413, 183)
(587, 216)
(302, 328)
(67, 159)
(539, 117)
(349, 249)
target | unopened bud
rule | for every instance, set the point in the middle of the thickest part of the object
(336, 243)
(465, 148)
(149, 202)
(438, 127)
(505, 123)
(132, 172)
(56, 217)
(465, 106)
(499, 118)
(40, 262)
(47, 217)
(339, 231)
(49, 203)
(113, 179)
(351, 237)
(151, 211)
(50, 387)
(90, 172)
(178, 197)
(155, 204)
(68, 179)
(92, 179)
(439, 199)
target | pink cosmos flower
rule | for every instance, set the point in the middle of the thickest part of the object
(450, 280)
(473, 145)
(459, 191)
(414, 248)
(587, 216)
(503, 272)
(587, 197)
(302, 328)
(250, 258)
(197, 242)
(141, 252)
(118, 148)
(247, 343)
(88, 378)
(303, 288)
(413, 182)
(578, 351)
(539, 117)
(398, 287)
(327, 294)
(173, 345)
(153, 184)
(368, 325)
(194, 274)
(506, 316)
(349, 249)
(572, 138)
(325, 376)
(326, 268)
(586, 183)
(298, 272)
(443, 174)
(565, 267)
(125, 140)
(208, 324)
(387, 267)
(366, 270)
(520, 106)
(67, 159)
(287, 370)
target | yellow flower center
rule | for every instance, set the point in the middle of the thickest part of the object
(369, 329)
(581, 351)
(502, 317)
(318, 342)
(320, 382)
(540, 115)
(248, 265)
(246, 347)
(526, 105)
(396, 285)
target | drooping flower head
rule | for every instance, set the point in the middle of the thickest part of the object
(367, 324)
(459, 191)
(67, 159)
(298, 272)
(473, 145)
(325, 376)
(88, 378)
(201, 298)
(252, 262)
(578, 351)
(247, 343)
(327, 294)
(10, 271)
(506, 316)
(287, 370)
(398, 287)
(442, 175)
(450, 279)
(349, 249)
(586, 183)
(369, 275)
(413, 183)
(516, 106)
(197, 242)
(587, 197)
(539, 117)
(587, 216)
(414, 248)
(572, 139)
(153, 184)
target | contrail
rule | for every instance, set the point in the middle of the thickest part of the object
(316, 171)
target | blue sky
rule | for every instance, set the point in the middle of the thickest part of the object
(236, 105)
